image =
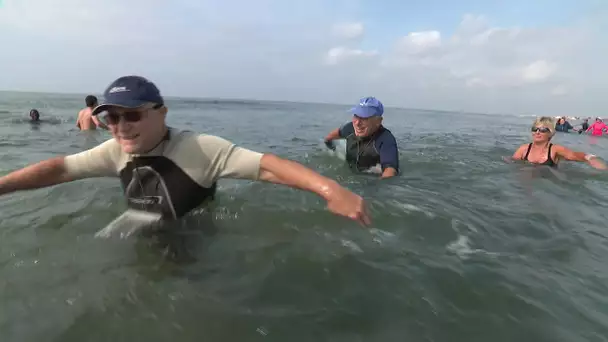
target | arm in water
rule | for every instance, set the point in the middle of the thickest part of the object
(339, 200)
(517, 155)
(95, 162)
(45, 173)
(389, 155)
(333, 135)
(590, 159)
(78, 120)
(99, 123)
(388, 173)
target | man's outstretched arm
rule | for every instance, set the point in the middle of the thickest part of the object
(340, 201)
(39, 175)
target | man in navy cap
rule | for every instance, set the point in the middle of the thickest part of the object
(368, 143)
(167, 171)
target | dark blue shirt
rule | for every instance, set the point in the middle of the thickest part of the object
(564, 127)
(385, 144)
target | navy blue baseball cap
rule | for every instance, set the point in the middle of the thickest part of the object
(368, 107)
(129, 92)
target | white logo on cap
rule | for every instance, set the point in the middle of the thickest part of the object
(118, 90)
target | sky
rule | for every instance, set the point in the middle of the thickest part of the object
(530, 57)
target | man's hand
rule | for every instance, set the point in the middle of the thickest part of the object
(329, 139)
(389, 172)
(330, 145)
(345, 203)
(596, 163)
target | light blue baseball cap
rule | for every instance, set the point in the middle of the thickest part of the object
(368, 107)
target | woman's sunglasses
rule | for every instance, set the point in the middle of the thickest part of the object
(541, 129)
(112, 118)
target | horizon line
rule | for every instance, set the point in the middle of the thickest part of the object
(259, 100)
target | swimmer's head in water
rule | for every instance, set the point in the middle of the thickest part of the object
(91, 101)
(543, 129)
(34, 115)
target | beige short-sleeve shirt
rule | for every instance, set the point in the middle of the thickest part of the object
(186, 165)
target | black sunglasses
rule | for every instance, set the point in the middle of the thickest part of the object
(112, 118)
(541, 129)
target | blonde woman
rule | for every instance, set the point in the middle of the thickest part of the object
(542, 152)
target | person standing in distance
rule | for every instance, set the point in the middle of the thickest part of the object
(86, 120)
(368, 142)
(168, 171)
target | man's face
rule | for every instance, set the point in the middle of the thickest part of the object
(366, 126)
(137, 130)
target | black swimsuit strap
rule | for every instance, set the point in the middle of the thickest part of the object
(549, 159)
(528, 152)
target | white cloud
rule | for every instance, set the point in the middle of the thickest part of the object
(348, 30)
(419, 41)
(300, 50)
(538, 71)
(517, 68)
(339, 54)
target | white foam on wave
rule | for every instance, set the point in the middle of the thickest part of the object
(455, 223)
(462, 248)
(129, 223)
(409, 208)
(379, 235)
(351, 245)
(339, 152)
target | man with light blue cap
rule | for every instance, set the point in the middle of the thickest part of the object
(368, 142)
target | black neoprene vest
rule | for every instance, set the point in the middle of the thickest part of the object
(156, 184)
(361, 152)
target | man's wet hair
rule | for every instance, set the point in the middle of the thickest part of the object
(91, 101)
(34, 114)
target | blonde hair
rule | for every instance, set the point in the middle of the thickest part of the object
(545, 121)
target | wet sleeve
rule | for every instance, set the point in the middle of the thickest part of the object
(389, 153)
(100, 161)
(227, 160)
(346, 130)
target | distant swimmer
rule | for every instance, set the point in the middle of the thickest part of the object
(542, 152)
(34, 115)
(86, 120)
(170, 172)
(584, 126)
(368, 142)
(563, 125)
(598, 127)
